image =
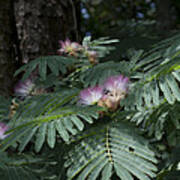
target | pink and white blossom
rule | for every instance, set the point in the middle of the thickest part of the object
(69, 47)
(24, 88)
(116, 88)
(3, 129)
(119, 84)
(109, 95)
(91, 95)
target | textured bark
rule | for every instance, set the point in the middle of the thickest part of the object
(42, 23)
(8, 50)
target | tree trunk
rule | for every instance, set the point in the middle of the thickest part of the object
(8, 48)
(42, 23)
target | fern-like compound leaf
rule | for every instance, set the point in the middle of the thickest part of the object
(47, 117)
(114, 148)
(55, 63)
(26, 166)
(99, 73)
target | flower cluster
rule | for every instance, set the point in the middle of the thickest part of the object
(108, 95)
(91, 95)
(24, 88)
(3, 129)
(73, 48)
(27, 87)
(68, 47)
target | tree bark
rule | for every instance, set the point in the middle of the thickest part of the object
(42, 23)
(8, 47)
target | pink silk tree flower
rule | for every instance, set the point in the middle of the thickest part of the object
(3, 129)
(69, 47)
(119, 84)
(91, 95)
(116, 88)
(24, 88)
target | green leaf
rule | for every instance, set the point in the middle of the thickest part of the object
(12, 138)
(54, 68)
(122, 172)
(22, 166)
(61, 130)
(155, 93)
(107, 172)
(99, 73)
(44, 116)
(43, 69)
(55, 63)
(173, 86)
(40, 137)
(114, 145)
(28, 136)
(167, 92)
(51, 136)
